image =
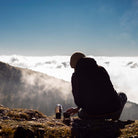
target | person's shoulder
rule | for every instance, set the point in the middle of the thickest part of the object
(74, 74)
(101, 68)
(86, 62)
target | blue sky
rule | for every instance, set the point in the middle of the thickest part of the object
(60, 27)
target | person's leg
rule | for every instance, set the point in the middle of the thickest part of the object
(82, 114)
(114, 116)
(123, 99)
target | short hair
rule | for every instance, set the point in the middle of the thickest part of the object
(75, 58)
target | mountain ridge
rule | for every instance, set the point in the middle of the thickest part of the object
(25, 88)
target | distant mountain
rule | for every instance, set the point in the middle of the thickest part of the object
(24, 88)
(130, 111)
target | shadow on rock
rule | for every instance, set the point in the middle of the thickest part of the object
(23, 133)
(97, 128)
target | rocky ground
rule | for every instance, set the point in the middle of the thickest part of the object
(26, 123)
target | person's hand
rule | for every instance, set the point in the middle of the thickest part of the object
(72, 110)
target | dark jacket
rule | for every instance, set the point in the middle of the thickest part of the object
(92, 88)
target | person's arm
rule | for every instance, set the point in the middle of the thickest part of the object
(73, 110)
(75, 90)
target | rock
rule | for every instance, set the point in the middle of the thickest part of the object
(5, 117)
(40, 132)
(1, 105)
(3, 111)
(33, 114)
(23, 133)
(97, 128)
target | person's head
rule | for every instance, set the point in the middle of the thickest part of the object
(75, 58)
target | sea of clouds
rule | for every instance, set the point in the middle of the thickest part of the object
(123, 71)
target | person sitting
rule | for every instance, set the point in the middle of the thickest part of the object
(93, 91)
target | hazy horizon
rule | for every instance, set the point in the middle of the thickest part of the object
(32, 86)
(123, 71)
(69, 55)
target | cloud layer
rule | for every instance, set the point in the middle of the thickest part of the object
(123, 71)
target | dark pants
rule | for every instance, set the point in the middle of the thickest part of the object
(114, 115)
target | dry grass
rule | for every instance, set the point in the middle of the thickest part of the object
(43, 126)
(130, 130)
(33, 120)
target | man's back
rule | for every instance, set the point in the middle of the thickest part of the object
(92, 88)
